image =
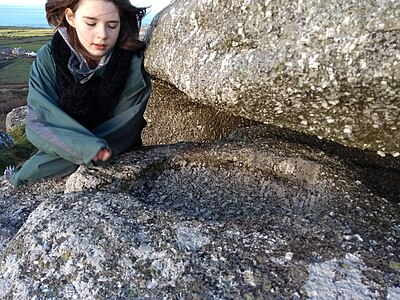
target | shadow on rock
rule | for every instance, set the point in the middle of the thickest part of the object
(381, 175)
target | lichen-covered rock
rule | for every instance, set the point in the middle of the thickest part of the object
(328, 68)
(15, 118)
(128, 249)
(259, 215)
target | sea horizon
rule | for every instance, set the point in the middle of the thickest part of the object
(23, 16)
(33, 16)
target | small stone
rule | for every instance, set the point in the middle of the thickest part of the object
(358, 237)
(289, 256)
(330, 120)
(347, 129)
(381, 153)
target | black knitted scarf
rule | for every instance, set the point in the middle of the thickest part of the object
(94, 101)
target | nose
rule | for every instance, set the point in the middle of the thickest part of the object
(102, 32)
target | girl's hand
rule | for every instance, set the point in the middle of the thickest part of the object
(102, 155)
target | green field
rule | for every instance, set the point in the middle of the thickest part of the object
(30, 39)
(16, 72)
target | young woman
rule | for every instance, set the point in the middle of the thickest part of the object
(87, 89)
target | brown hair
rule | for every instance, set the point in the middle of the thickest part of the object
(131, 20)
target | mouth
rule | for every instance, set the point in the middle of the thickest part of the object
(100, 46)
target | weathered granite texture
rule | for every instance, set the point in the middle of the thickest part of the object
(267, 213)
(15, 118)
(171, 117)
(328, 68)
(264, 214)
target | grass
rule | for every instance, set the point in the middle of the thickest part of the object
(31, 39)
(16, 72)
(25, 37)
(24, 31)
(21, 151)
(30, 44)
(19, 33)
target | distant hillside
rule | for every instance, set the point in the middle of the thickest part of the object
(29, 39)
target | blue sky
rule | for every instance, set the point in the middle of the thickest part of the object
(156, 5)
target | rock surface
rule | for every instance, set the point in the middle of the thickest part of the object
(267, 213)
(15, 118)
(260, 215)
(327, 68)
(171, 117)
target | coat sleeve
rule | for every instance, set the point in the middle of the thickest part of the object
(48, 127)
(123, 130)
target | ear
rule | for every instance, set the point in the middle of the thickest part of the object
(70, 17)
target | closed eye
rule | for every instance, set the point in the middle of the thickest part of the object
(112, 24)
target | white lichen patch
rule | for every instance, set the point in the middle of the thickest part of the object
(348, 129)
(393, 293)
(381, 153)
(191, 238)
(338, 278)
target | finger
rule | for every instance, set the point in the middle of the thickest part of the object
(104, 155)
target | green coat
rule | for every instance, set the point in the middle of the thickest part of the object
(63, 143)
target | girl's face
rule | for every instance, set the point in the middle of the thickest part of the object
(97, 25)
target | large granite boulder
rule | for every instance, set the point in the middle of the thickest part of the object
(328, 68)
(264, 214)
